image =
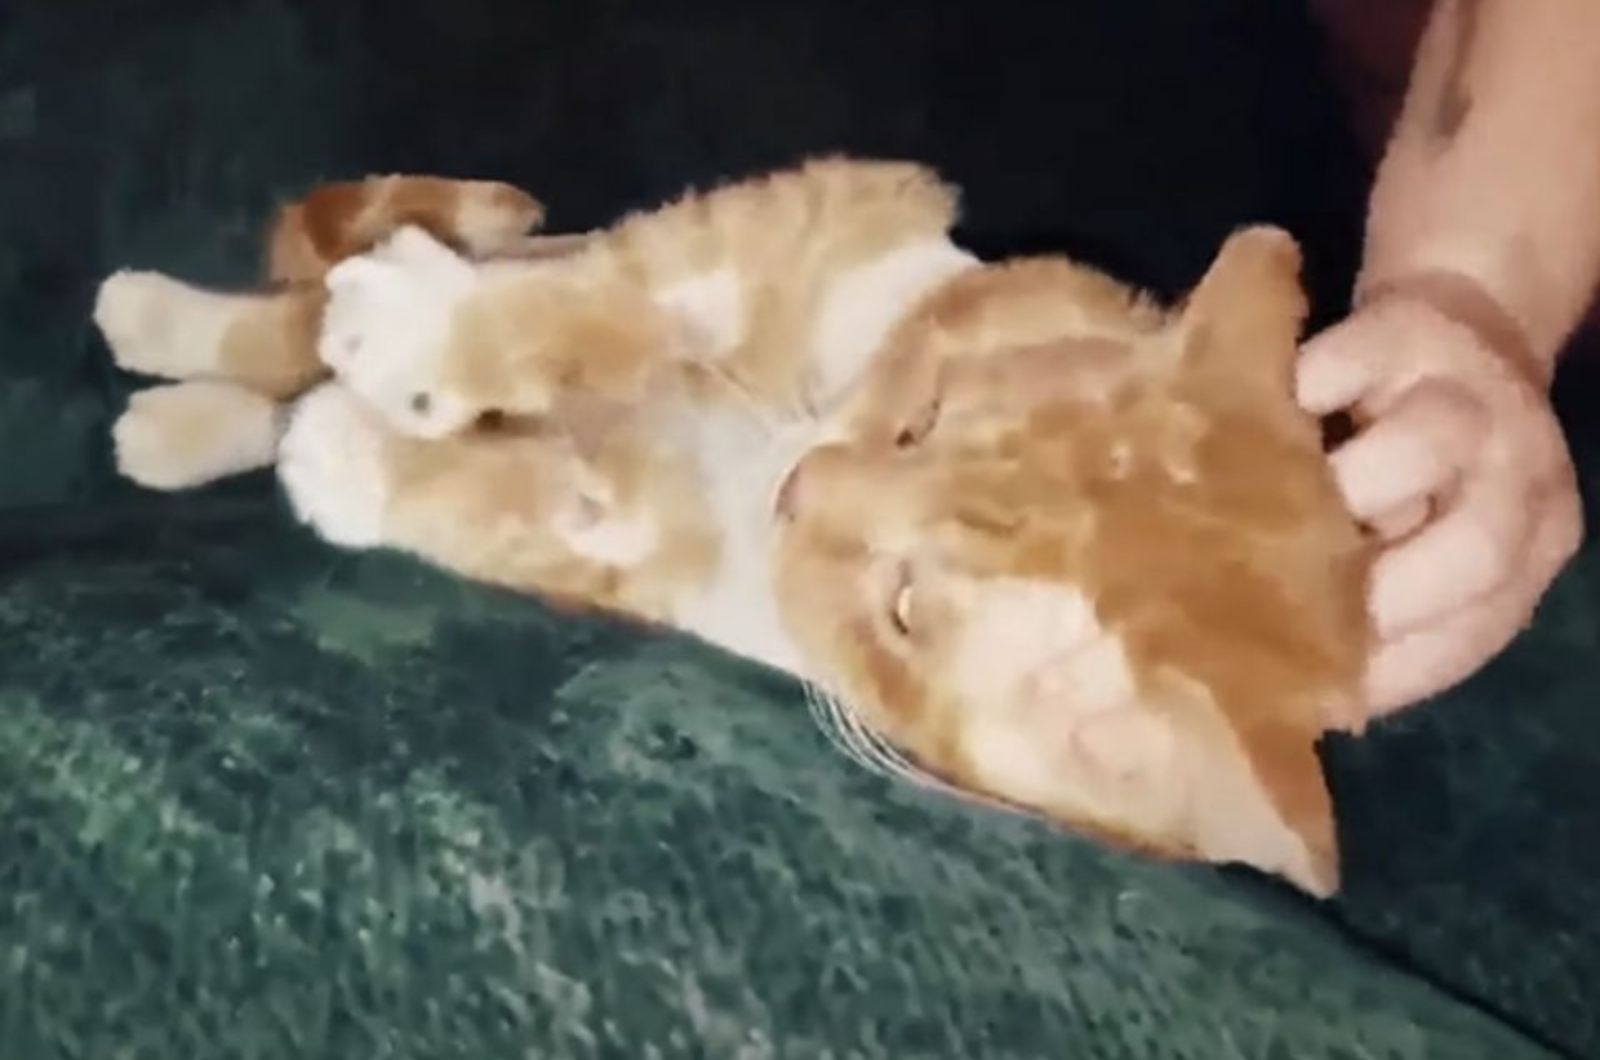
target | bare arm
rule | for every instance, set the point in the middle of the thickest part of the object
(1489, 194)
(1482, 252)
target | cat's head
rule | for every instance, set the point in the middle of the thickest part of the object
(1103, 576)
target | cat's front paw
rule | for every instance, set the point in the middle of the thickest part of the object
(386, 330)
(334, 466)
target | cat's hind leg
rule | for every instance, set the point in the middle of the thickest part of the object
(160, 326)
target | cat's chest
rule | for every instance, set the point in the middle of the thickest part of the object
(743, 460)
(745, 442)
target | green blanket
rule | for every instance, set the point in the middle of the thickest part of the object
(268, 801)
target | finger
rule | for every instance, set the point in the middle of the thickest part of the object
(1469, 551)
(1335, 370)
(1426, 662)
(1410, 453)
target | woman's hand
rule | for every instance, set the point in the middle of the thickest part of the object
(1460, 468)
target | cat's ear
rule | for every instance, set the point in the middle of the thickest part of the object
(1242, 322)
(1292, 772)
(1297, 839)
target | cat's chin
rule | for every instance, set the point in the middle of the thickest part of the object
(740, 615)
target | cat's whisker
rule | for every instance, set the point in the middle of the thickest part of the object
(890, 759)
(848, 732)
(825, 713)
(866, 743)
(861, 743)
(833, 722)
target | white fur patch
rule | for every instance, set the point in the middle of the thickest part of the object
(1029, 629)
(743, 461)
(744, 458)
(159, 326)
(712, 305)
(1037, 656)
(1065, 729)
(387, 324)
(331, 463)
(863, 305)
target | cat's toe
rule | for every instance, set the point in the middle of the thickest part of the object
(334, 466)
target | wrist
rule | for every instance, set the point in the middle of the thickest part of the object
(1467, 303)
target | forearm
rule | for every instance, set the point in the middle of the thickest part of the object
(1490, 189)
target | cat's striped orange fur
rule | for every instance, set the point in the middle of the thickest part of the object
(1064, 547)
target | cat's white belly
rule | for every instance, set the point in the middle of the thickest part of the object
(865, 303)
(744, 462)
(744, 457)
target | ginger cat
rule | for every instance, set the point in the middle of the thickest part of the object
(1028, 536)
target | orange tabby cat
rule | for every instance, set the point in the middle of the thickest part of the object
(1103, 576)
(1030, 536)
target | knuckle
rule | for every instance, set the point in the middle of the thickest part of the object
(1486, 548)
(1569, 532)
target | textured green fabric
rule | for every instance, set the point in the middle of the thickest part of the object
(266, 801)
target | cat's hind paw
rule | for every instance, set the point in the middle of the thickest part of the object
(184, 435)
(162, 327)
(334, 466)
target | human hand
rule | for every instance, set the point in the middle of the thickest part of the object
(1459, 468)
